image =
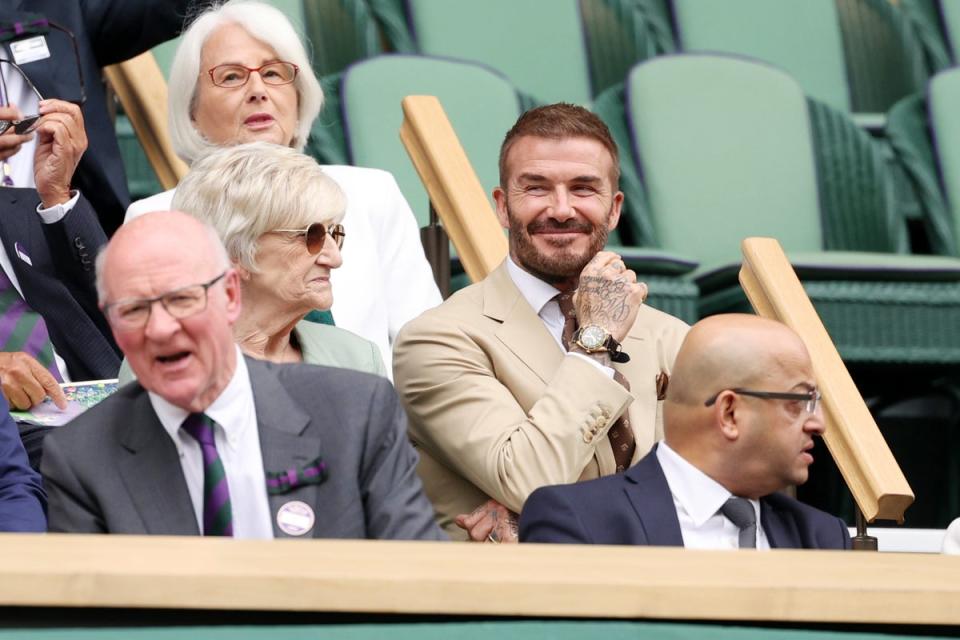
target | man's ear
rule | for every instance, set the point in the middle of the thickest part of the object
(615, 211)
(727, 412)
(231, 287)
(500, 199)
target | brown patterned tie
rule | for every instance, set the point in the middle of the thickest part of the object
(620, 434)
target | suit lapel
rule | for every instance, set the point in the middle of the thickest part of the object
(281, 424)
(153, 475)
(781, 531)
(522, 331)
(648, 492)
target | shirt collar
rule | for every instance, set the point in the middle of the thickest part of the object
(535, 291)
(222, 410)
(699, 494)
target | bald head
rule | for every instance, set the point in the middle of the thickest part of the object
(171, 298)
(750, 443)
(727, 351)
(166, 230)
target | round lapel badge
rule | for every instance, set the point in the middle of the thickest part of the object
(295, 518)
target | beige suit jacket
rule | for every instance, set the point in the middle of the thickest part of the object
(497, 409)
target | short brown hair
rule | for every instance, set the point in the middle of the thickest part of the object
(558, 122)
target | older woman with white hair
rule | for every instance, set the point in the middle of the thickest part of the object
(277, 213)
(241, 74)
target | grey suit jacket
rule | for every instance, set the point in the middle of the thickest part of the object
(115, 470)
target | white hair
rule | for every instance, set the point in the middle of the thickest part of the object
(261, 21)
(251, 189)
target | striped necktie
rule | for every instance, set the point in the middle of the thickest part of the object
(217, 511)
(23, 329)
(621, 433)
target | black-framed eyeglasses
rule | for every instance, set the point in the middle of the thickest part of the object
(811, 399)
(316, 234)
(26, 124)
(184, 302)
(232, 76)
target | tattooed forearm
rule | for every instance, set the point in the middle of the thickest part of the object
(603, 300)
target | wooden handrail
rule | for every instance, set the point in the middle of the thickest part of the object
(452, 185)
(432, 578)
(142, 90)
(856, 444)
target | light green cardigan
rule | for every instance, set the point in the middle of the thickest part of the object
(320, 344)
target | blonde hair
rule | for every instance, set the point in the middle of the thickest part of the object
(251, 189)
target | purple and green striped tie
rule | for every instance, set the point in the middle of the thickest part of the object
(23, 329)
(217, 512)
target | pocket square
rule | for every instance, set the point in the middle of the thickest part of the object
(22, 254)
(313, 472)
(663, 381)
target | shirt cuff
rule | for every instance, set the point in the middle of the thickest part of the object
(606, 370)
(57, 212)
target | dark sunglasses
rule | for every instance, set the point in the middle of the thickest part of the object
(316, 234)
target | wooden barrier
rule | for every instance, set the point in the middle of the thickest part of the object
(461, 579)
(452, 185)
(142, 90)
(856, 444)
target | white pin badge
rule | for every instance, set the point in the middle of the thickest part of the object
(295, 518)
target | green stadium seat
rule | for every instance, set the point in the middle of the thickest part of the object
(802, 38)
(944, 105)
(540, 47)
(346, 31)
(741, 163)
(621, 33)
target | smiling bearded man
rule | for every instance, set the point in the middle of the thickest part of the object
(515, 382)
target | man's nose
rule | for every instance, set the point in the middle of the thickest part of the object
(562, 205)
(160, 324)
(814, 423)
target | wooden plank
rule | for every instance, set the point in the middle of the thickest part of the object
(852, 436)
(142, 91)
(452, 185)
(478, 580)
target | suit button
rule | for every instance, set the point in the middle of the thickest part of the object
(587, 437)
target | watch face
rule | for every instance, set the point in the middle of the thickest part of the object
(592, 337)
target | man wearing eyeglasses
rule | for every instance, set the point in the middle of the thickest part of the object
(210, 442)
(739, 421)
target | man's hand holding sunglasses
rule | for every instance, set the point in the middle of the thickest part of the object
(10, 140)
(61, 141)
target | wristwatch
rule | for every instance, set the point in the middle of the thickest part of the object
(593, 338)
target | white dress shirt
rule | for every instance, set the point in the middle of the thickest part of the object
(385, 280)
(19, 94)
(540, 296)
(238, 443)
(697, 498)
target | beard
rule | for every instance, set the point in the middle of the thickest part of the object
(565, 262)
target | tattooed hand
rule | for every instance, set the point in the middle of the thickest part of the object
(609, 295)
(490, 522)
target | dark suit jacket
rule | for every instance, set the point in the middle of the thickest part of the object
(58, 282)
(115, 470)
(22, 500)
(107, 32)
(636, 507)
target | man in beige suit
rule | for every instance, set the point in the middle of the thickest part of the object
(551, 369)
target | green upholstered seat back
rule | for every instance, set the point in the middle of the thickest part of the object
(725, 151)
(480, 104)
(950, 13)
(539, 45)
(944, 106)
(802, 38)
